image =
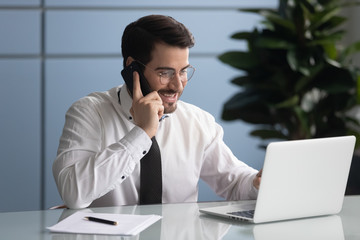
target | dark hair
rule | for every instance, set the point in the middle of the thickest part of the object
(139, 37)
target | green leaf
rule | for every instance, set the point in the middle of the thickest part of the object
(273, 43)
(268, 134)
(303, 119)
(326, 38)
(268, 25)
(272, 16)
(257, 10)
(358, 89)
(332, 23)
(357, 135)
(288, 103)
(292, 60)
(295, 64)
(275, 18)
(307, 81)
(242, 35)
(240, 60)
(335, 80)
(351, 49)
(241, 81)
(354, 121)
(244, 99)
(333, 63)
(248, 106)
(322, 17)
(309, 7)
(331, 50)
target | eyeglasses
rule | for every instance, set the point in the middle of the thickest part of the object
(167, 74)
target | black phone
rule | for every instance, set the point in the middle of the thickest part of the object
(127, 74)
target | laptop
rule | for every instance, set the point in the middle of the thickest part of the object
(301, 178)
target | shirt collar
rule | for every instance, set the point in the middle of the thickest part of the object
(125, 101)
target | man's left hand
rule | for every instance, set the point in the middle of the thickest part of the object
(257, 179)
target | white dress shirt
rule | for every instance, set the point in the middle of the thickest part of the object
(100, 150)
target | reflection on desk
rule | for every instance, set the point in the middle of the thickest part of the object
(183, 221)
(329, 227)
(179, 221)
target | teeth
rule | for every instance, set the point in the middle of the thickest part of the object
(169, 95)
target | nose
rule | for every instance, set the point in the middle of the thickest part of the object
(176, 82)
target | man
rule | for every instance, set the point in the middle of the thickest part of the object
(107, 135)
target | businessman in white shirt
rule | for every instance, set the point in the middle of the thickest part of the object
(107, 134)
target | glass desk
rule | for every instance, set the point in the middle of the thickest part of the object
(183, 221)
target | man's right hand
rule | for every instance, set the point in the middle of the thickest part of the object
(146, 111)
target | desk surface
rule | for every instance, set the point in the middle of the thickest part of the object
(183, 221)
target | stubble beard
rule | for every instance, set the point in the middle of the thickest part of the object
(170, 108)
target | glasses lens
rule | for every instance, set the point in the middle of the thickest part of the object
(185, 75)
(190, 72)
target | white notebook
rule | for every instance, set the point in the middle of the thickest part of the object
(127, 224)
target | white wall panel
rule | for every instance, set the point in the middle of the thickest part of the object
(99, 32)
(20, 32)
(20, 134)
(161, 3)
(21, 3)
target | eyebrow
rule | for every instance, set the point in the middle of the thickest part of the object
(169, 68)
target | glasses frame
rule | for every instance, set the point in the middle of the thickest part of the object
(173, 75)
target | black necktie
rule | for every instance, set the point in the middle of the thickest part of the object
(150, 176)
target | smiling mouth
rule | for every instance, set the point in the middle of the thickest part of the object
(168, 96)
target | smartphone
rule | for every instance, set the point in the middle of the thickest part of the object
(127, 74)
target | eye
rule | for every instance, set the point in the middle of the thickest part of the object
(166, 74)
(184, 72)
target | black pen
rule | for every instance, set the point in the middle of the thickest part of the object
(100, 220)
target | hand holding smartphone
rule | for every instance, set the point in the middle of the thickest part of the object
(127, 74)
(146, 111)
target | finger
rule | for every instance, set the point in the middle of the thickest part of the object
(161, 111)
(256, 182)
(156, 98)
(154, 95)
(137, 93)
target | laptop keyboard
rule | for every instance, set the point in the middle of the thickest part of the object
(247, 214)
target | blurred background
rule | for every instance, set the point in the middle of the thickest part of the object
(53, 52)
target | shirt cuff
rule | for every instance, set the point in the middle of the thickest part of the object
(137, 142)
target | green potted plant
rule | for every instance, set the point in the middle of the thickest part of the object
(297, 81)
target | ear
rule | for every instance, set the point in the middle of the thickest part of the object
(129, 60)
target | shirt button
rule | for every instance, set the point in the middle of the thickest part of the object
(123, 177)
(130, 118)
(144, 152)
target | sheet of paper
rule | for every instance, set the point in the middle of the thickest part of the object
(127, 224)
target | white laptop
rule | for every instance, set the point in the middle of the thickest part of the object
(301, 178)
